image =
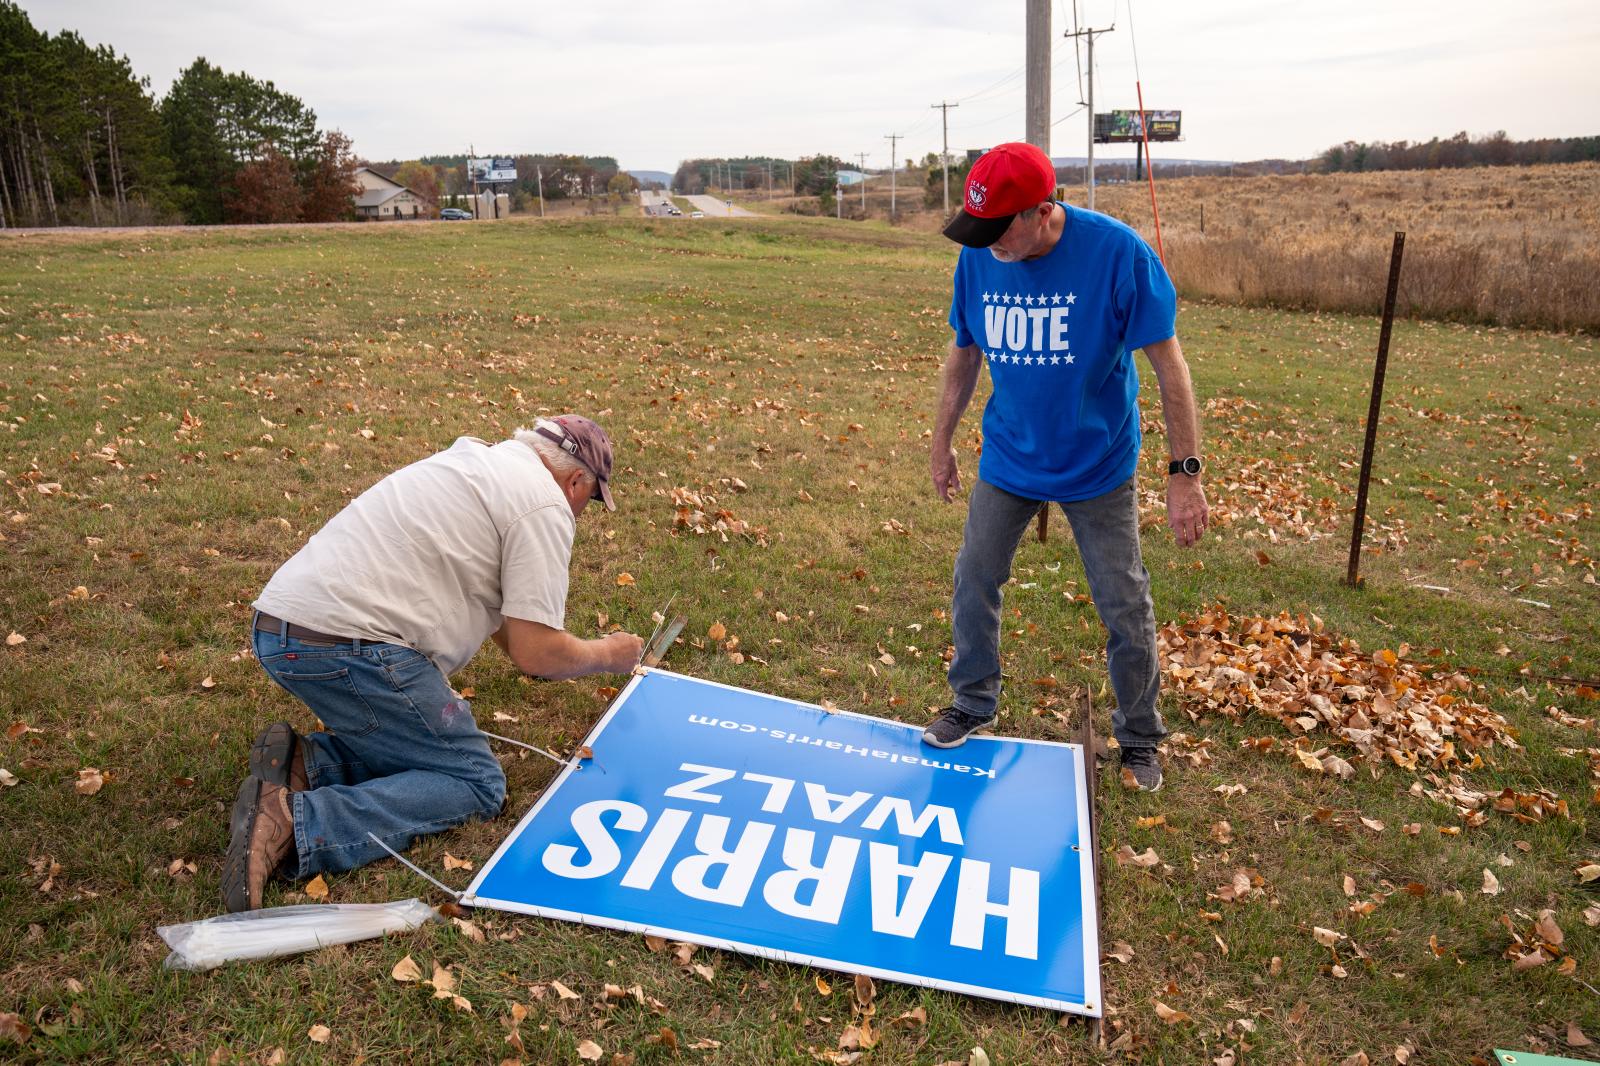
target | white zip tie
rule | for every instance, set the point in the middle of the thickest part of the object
(419, 871)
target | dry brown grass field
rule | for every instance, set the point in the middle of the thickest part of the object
(1508, 245)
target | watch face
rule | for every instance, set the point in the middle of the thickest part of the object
(1191, 465)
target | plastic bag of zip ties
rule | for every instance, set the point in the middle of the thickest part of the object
(274, 931)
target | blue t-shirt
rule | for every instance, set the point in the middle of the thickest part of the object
(1058, 334)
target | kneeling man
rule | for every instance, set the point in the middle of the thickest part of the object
(366, 623)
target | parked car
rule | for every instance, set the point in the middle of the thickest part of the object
(455, 214)
(697, 214)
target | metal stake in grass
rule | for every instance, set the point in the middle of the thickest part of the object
(1352, 577)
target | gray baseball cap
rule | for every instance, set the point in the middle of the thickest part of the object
(586, 442)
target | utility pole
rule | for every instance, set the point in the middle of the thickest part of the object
(539, 176)
(769, 179)
(1088, 174)
(863, 157)
(894, 167)
(944, 157)
(472, 151)
(1038, 81)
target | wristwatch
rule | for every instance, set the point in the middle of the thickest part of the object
(1190, 466)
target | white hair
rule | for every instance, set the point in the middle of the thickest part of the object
(555, 457)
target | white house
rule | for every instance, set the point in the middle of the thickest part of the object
(385, 198)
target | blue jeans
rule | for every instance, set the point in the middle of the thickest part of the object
(1106, 529)
(403, 757)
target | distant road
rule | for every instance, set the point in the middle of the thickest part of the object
(654, 203)
(715, 208)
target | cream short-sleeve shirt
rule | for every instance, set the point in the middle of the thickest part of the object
(435, 555)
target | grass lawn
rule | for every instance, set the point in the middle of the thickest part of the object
(178, 412)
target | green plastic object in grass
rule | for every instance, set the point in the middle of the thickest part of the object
(1528, 1058)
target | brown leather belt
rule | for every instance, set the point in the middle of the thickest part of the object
(268, 624)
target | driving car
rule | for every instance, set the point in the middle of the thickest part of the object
(697, 214)
(455, 214)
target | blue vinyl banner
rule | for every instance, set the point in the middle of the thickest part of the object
(746, 822)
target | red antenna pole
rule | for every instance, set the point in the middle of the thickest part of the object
(1150, 171)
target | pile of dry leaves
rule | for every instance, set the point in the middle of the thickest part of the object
(1327, 691)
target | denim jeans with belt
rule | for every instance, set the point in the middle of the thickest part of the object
(402, 758)
(1106, 529)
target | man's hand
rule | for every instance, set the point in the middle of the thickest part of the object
(946, 475)
(1187, 511)
(619, 651)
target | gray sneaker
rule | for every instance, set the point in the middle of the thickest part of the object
(1144, 767)
(952, 728)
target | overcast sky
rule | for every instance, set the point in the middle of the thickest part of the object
(656, 84)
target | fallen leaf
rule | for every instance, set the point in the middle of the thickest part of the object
(823, 988)
(1326, 937)
(469, 930)
(1349, 885)
(319, 1033)
(1588, 872)
(704, 971)
(705, 1043)
(1357, 1059)
(1222, 832)
(978, 1057)
(865, 989)
(7, 778)
(1547, 928)
(1576, 1037)
(1170, 1016)
(13, 1028)
(625, 578)
(718, 631)
(655, 943)
(665, 1038)
(1298, 1012)
(1491, 883)
(453, 863)
(563, 991)
(406, 971)
(1529, 961)
(443, 982)
(90, 780)
(1144, 860)
(589, 1051)
(14, 638)
(914, 1018)
(209, 682)
(1121, 951)
(1152, 821)
(1591, 914)
(317, 888)
(1372, 824)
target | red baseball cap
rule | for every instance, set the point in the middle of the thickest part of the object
(586, 442)
(1006, 179)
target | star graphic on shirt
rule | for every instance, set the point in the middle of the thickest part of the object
(986, 297)
(1072, 297)
(1070, 358)
(1054, 359)
(1027, 360)
(1028, 300)
(1055, 297)
(1007, 298)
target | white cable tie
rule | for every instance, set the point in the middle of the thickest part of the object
(419, 871)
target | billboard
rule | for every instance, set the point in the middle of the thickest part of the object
(491, 169)
(746, 822)
(1122, 127)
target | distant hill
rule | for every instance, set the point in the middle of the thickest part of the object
(648, 177)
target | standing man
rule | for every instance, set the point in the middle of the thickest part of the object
(366, 623)
(1055, 299)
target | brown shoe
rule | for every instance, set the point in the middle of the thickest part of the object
(279, 756)
(262, 836)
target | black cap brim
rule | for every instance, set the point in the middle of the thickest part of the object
(975, 232)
